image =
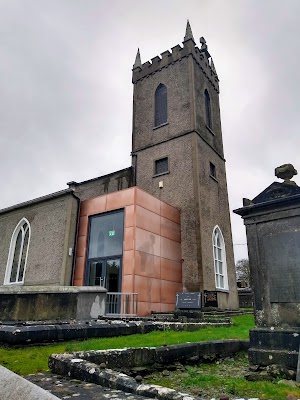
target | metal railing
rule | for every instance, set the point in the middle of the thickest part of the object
(121, 304)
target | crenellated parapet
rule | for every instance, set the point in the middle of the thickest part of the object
(200, 55)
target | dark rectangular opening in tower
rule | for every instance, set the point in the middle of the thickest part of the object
(212, 169)
(161, 166)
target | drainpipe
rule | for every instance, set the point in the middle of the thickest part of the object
(75, 239)
(134, 167)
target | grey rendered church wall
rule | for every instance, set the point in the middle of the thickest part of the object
(214, 137)
(214, 210)
(53, 225)
(203, 201)
(177, 83)
(105, 184)
(178, 190)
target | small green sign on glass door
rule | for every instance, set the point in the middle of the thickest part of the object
(111, 233)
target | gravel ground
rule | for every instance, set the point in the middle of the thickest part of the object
(65, 388)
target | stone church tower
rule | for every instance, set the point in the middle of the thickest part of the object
(177, 156)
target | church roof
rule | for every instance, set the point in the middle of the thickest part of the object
(125, 170)
(38, 200)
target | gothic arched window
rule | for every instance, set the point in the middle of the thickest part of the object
(18, 251)
(161, 105)
(219, 259)
(207, 109)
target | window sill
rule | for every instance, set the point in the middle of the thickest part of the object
(13, 283)
(160, 126)
(210, 130)
(163, 173)
(222, 290)
(212, 177)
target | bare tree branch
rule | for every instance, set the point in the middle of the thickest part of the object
(243, 271)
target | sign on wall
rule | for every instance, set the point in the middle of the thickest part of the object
(210, 298)
(188, 300)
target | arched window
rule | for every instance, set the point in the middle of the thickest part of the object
(219, 259)
(207, 109)
(161, 105)
(18, 251)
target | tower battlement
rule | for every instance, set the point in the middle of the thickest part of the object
(200, 55)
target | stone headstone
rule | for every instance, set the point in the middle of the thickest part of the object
(210, 298)
(188, 300)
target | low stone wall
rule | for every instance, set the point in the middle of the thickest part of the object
(97, 366)
(14, 386)
(125, 359)
(40, 303)
(29, 332)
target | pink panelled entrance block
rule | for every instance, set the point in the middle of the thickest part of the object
(151, 264)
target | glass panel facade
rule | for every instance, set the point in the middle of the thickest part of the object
(105, 251)
(113, 275)
(106, 235)
(96, 271)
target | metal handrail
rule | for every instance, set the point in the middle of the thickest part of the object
(121, 304)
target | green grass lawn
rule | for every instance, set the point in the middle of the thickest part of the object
(209, 380)
(32, 359)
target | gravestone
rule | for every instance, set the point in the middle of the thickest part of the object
(188, 300)
(272, 221)
(210, 298)
(188, 305)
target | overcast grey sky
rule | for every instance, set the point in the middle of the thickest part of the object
(66, 92)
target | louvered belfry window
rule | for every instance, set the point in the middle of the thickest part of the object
(207, 109)
(161, 105)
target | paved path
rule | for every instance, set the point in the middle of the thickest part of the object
(65, 388)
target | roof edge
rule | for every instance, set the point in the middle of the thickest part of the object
(247, 210)
(38, 200)
(73, 183)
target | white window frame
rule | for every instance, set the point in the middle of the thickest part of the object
(12, 249)
(219, 260)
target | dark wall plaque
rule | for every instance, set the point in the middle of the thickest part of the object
(188, 300)
(282, 260)
(210, 299)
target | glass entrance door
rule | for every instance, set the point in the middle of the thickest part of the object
(106, 273)
(113, 268)
(105, 248)
(96, 273)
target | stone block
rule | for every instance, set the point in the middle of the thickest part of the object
(14, 386)
(264, 357)
(169, 354)
(275, 339)
(40, 303)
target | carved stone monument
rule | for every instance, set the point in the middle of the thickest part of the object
(188, 300)
(272, 221)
